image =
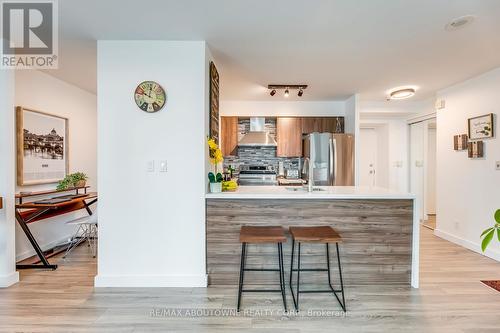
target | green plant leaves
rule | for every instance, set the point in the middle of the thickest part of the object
(497, 216)
(486, 231)
(498, 234)
(487, 239)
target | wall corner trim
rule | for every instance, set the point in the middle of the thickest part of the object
(9, 280)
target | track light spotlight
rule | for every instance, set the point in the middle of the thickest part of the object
(301, 92)
(273, 92)
(287, 93)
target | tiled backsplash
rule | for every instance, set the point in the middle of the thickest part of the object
(258, 155)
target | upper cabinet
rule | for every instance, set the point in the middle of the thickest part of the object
(322, 124)
(289, 137)
(229, 136)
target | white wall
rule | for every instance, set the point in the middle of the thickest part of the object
(40, 91)
(8, 274)
(152, 225)
(468, 191)
(282, 108)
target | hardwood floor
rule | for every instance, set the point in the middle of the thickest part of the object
(451, 299)
(430, 222)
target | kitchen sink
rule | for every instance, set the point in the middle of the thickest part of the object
(304, 189)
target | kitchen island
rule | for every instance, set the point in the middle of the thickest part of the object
(378, 226)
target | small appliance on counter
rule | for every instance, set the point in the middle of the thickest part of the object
(257, 175)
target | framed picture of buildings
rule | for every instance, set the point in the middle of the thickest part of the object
(42, 147)
(214, 103)
(481, 127)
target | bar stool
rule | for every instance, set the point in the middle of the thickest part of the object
(261, 235)
(322, 235)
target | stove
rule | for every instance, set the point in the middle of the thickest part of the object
(257, 175)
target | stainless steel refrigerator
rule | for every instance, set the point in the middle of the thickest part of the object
(332, 158)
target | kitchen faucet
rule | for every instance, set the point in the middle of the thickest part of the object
(310, 177)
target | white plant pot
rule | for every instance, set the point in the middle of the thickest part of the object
(215, 187)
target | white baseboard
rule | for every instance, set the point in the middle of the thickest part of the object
(476, 247)
(31, 252)
(133, 281)
(9, 280)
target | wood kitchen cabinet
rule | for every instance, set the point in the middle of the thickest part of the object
(229, 136)
(289, 137)
(322, 124)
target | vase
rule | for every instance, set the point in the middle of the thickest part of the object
(80, 183)
(215, 187)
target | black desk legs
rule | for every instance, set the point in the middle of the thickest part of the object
(44, 262)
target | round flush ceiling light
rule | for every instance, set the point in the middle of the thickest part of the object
(401, 93)
(459, 22)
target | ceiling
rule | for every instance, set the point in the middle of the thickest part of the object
(336, 47)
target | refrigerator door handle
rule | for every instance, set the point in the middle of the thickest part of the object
(333, 161)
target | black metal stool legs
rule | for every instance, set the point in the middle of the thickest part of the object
(242, 272)
(280, 269)
(299, 269)
(341, 281)
(282, 273)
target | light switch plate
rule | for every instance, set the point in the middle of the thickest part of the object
(163, 166)
(151, 166)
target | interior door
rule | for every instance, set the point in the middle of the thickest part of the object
(368, 156)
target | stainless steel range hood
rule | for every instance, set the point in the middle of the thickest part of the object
(258, 136)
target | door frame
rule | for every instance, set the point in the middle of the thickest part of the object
(420, 119)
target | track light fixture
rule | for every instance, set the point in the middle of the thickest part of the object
(287, 88)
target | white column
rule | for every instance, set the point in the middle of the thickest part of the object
(8, 274)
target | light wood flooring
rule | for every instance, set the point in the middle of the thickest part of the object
(430, 222)
(451, 299)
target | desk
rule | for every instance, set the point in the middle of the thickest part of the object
(31, 212)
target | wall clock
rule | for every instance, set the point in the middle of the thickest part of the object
(150, 96)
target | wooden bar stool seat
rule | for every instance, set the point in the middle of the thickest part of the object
(316, 235)
(261, 235)
(323, 234)
(250, 234)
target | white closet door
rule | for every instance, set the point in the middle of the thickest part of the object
(417, 170)
(368, 156)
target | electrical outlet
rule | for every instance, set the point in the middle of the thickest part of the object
(457, 225)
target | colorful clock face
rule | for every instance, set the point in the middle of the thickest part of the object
(150, 96)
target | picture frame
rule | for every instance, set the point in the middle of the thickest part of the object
(476, 149)
(481, 127)
(460, 142)
(214, 103)
(42, 147)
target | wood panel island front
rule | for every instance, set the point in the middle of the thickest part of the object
(378, 227)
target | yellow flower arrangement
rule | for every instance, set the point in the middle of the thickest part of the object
(215, 152)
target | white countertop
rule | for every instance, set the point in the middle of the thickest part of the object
(327, 192)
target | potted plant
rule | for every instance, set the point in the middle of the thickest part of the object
(77, 179)
(489, 233)
(215, 155)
